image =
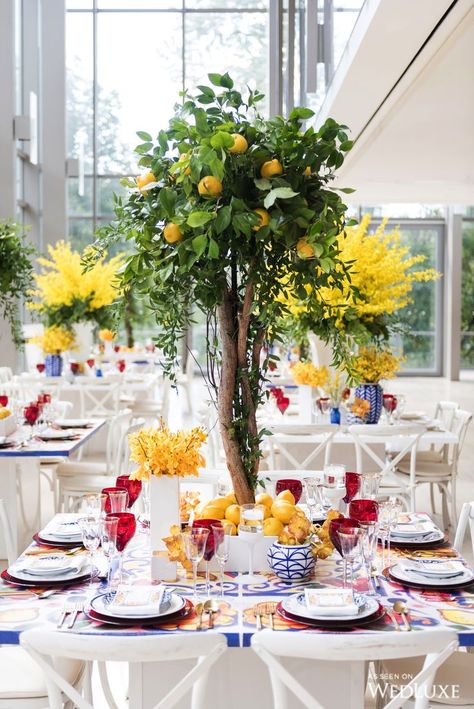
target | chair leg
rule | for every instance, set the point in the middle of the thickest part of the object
(444, 506)
(432, 499)
(454, 512)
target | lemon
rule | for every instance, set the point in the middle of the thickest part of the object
(283, 510)
(233, 528)
(304, 249)
(232, 513)
(286, 495)
(4, 413)
(210, 186)
(212, 512)
(264, 218)
(240, 144)
(263, 498)
(143, 180)
(231, 498)
(221, 502)
(267, 512)
(272, 527)
(172, 233)
(271, 168)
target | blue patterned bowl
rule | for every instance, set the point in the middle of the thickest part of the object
(291, 563)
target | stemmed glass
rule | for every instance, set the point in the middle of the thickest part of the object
(250, 532)
(294, 486)
(91, 535)
(389, 405)
(349, 539)
(341, 523)
(126, 526)
(94, 504)
(222, 534)
(40, 367)
(312, 490)
(369, 550)
(388, 519)
(323, 406)
(109, 543)
(370, 483)
(364, 510)
(31, 413)
(396, 509)
(133, 487)
(195, 540)
(117, 499)
(352, 487)
(144, 517)
(400, 406)
(3, 400)
(210, 549)
(334, 488)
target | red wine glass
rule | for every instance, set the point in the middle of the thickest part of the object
(294, 486)
(74, 368)
(117, 500)
(364, 510)
(126, 527)
(283, 403)
(116, 348)
(352, 487)
(3, 400)
(31, 414)
(210, 544)
(40, 367)
(340, 523)
(121, 365)
(133, 487)
(90, 362)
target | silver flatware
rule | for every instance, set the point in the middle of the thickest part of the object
(78, 608)
(69, 607)
(392, 617)
(211, 606)
(199, 609)
(400, 607)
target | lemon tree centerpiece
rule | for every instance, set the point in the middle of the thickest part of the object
(232, 209)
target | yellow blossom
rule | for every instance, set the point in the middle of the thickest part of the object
(360, 407)
(54, 340)
(305, 373)
(372, 365)
(106, 335)
(159, 451)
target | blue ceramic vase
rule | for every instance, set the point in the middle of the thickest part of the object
(373, 393)
(53, 365)
(291, 563)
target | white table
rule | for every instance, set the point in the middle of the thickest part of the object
(20, 468)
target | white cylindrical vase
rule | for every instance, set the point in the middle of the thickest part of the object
(164, 513)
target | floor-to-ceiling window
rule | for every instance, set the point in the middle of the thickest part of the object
(467, 290)
(126, 64)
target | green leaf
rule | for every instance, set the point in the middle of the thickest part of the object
(199, 244)
(224, 216)
(222, 140)
(226, 81)
(143, 147)
(215, 79)
(346, 145)
(241, 224)
(262, 183)
(146, 137)
(206, 90)
(346, 190)
(213, 250)
(197, 219)
(206, 154)
(163, 140)
(301, 114)
(278, 193)
(167, 200)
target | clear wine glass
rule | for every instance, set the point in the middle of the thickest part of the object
(250, 532)
(109, 543)
(369, 550)
(350, 539)
(385, 520)
(195, 539)
(396, 510)
(93, 504)
(312, 489)
(222, 535)
(117, 499)
(91, 536)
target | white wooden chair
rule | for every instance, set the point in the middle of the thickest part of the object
(443, 473)
(466, 518)
(330, 650)
(287, 439)
(206, 649)
(401, 438)
(101, 400)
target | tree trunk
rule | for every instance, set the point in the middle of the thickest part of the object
(228, 390)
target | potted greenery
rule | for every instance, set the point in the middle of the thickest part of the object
(234, 213)
(15, 274)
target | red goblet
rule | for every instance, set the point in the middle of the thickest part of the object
(126, 526)
(294, 486)
(116, 348)
(340, 523)
(31, 414)
(283, 403)
(133, 487)
(364, 510)
(90, 362)
(43, 398)
(210, 544)
(74, 367)
(116, 500)
(3, 400)
(352, 487)
(121, 364)
(40, 367)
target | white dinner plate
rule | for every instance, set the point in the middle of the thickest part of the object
(297, 606)
(51, 434)
(63, 576)
(50, 536)
(73, 423)
(439, 568)
(436, 536)
(414, 530)
(413, 577)
(101, 604)
(50, 565)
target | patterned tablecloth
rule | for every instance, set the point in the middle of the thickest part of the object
(235, 618)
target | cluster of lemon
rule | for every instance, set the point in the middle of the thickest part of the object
(4, 412)
(277, 512)
(324, 547)
(210, 187)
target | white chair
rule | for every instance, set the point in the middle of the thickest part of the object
(443, 473)
(99, 399)
(404, 439)
(153, 409)
(7, 536)
(465, 518)
(6, 375)
(204, 648)
(287, 439)
(328, 650)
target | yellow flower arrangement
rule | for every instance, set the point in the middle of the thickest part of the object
(55, 339)
(106, 335)
(159, 451)
(65, 293)
(336, 387)
(371, 365)
(305, 373)
(360, 407)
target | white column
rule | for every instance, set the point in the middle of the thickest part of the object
(452, 297)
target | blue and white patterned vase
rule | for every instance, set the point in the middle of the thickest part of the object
(373, 393)
(291, 563)
(53, 365)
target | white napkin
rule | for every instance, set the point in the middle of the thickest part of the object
(137, 600)
(66, 527)
(53, 565)
(419, 529)
(330, 602)
(434, 568)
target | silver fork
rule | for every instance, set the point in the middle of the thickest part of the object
(68, 607)
(78, 608)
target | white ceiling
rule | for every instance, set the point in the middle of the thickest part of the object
(415, 136)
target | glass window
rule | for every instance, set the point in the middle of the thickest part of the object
(80, 205)
(79, 87)
(107, 187)
(467, 293)
(80, 232)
